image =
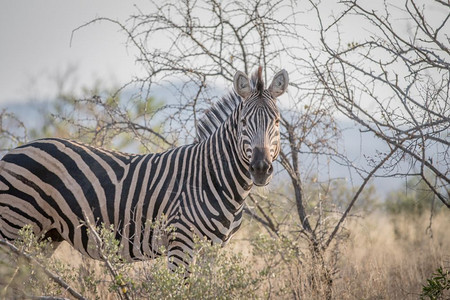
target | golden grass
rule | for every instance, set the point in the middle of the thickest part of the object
(391, 257)
(385, 257)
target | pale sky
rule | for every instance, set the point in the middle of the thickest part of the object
(35, 45)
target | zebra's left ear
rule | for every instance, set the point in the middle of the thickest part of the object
(279, 84)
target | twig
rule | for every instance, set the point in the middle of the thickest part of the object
(112, 270)
(355, 197)
(5, 289)
(50, 274)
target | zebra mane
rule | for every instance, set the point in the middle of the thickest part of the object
(216, 115)
(223, 108)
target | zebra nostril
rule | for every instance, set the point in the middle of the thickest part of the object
(270, 170)
(261, 167)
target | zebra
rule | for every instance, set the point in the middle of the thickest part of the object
(58, 185)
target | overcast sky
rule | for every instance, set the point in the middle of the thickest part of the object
(35, 45)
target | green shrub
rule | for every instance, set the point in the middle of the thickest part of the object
(437, 286)
(215, 273)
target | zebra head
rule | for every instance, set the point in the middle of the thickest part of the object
(258, 124)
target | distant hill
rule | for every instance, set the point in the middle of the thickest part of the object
(358, 146)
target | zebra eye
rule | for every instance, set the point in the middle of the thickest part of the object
(277, 122)
(244, 122)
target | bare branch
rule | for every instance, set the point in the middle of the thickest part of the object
(58, 280)
(355, 197)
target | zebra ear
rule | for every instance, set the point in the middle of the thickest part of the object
(242, 85)
(279, 84)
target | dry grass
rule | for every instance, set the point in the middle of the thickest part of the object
(384, 258)
(391, 257)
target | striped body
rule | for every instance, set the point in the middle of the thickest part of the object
(53, 184)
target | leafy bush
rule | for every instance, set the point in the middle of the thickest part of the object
(214, 274)
(437, 285)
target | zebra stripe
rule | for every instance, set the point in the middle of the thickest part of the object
(54, 184)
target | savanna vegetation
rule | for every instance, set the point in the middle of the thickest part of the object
(381, 255)
(311, 234)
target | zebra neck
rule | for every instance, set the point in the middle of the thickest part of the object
(230, 173)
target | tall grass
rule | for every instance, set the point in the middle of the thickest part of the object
(382, 257)
(391, 257)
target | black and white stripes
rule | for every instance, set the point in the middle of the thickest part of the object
(53, 184)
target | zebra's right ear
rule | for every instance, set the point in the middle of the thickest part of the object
(242, 85)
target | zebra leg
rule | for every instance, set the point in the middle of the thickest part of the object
(180, 254)
(55, 240)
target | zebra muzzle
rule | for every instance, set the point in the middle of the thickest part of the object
(261, 168)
